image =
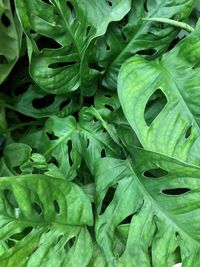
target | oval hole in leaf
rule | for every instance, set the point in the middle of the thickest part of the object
(88, 29)
(22, 88)
(10, 243)
(45, 42)
(95, 66)
(56, 206)
(44, 102)
(9, 196)
(108, 96)
(65, 103)
(109, 107)
(123, 36)
(71, 8)
(154, 106)
(59, 238)
(61, 64)
(188, 132)
(103, 153)
(69, 145)
(37, 208)
(69, 244)
(88, 142)
(107, 199)
(5, 20)
(107, 47)
(52, 136)
(147, 52)
(145, 6)
(176, 191)
(3, 59)
(155, 173)
(127, 220)
(109, 2)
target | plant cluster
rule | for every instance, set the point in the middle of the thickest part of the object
(99, 133)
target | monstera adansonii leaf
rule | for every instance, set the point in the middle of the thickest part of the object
(43, 222)
(133, 35)
(161, 100)
(59, 33)
(151, 217)
(10, 39)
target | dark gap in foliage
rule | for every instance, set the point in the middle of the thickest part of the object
(12, 5)
(22, 234)
(9, 196)
(155, 173)
(69, 145)
(46, 2)
(188, 132)
(2, 144)
(107, 47)
(88, 29)
(44, 102)
(33, 32)
(56, 206)
(22, 88)
(45, 42)
(177, 254)
(17, 169)
(123, 36)
(10, 243)
(108, 96)
(95, 66)
(5, 20)
(150, 255)
(69, 244)
(52, 136)
(176, 191)
(71, 8)
(89, 101)
(107, 199)
(109, 2)
(109, 107)
(59, 238)
(127, 220)
(3, 59)
(53, 160)
(103, 153)
(37, 208)
(154, 106)
(174, 43)
(88, 143)
(145, 6)
(61, 64)
(65, 103)
(147, 52)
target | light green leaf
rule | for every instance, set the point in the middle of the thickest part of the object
(160, 99)
(43, 222)
(152, 206)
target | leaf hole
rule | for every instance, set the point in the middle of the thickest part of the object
(155, 173)
(88, 29)
(109, 2)
(127, 220)
(103, 153)
(45, 42)
(22, 88)
(65, 103)
(56, 206)
(109, 107)
(188, 132)
(145, 6)
(154, 106)
(176, 191)
(52, 136)
(123, 36)
(69, 145)
(61, 64)
(174, 43)
(95, 66)
(59, 239)
(9, 196)
(107, 199)
(3, 59)
(108, 96)
(88, 142)
(69, 244)
(44, 102)
(71, 8)
(147, 52)
(5, 20)
(19, 236)
(37, 208)
(107, 47)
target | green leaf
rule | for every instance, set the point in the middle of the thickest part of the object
(10, 36)
(133, 35)
(160, 99)
(152, 206)
(43, 222)
(64, 29)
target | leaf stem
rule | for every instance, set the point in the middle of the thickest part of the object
(172, 22)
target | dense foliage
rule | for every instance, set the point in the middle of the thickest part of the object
(99, 133)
